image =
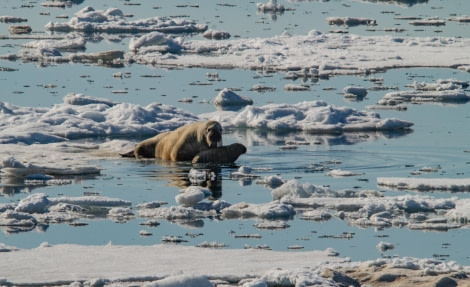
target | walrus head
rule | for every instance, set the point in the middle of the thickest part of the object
(213, 134)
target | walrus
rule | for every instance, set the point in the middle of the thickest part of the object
(223, 154)
(182, 144)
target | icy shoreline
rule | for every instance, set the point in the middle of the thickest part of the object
(172, 265)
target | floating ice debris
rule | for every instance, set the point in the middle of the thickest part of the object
(253, 236)
(13, 168)
(294, 88)
(461, 19)
(20, 29)
(350, 21)
(106, 57)
(34, 203)
(295, 247)
(216, 35)
(120, 212)
(98, 201)
(150, 223)
(61, 45)
(418, 96)
(384, 246)
(272, 210)
(82, 100)
(440, 85)
(192, 195)
(316, 215)
(292, 188)
(355, 91)
(12, 19)
(260, 88)
(271, 6)
(152, 204)
(341, 173)
(145, 233)
(271, 224)
(315, 116)
(173, 239)
(227, 97)
(271, 181)
(426, 184)
(172, 213)
(164, 42)
(54, 4)
(113, 21)
(197, 176)
(428, 22)
(14, 218)
(216, 206)
(242, 173)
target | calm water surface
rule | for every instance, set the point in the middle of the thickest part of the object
(439, 136)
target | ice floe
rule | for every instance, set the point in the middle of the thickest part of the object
(75, 118)
(11, 167)
(315, 116)
(228, 98)
(167, 43)
(83, 116)
(192, 195)
(426, 184)
(113, 21)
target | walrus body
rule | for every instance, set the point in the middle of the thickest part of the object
(223, 154)
(182, 144)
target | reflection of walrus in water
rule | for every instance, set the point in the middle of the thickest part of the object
(186, 142)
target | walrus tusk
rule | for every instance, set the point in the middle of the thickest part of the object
(223, 154)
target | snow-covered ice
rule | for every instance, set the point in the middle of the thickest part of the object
(113, 21)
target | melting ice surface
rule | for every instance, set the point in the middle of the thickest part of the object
(341, 179)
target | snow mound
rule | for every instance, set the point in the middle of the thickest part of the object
(315, 116)
(227, 97)
(192, 195)
(155, 39)
(81, 116)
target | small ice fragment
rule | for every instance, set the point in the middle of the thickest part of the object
(192, 195)
(145, 233)
(384, 246)
(197, 175)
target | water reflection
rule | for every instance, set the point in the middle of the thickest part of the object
(259, 137)
(403, 3)
(11, 185)
(177, 174)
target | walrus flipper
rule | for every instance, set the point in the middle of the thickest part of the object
(223, 154)
(128, 154)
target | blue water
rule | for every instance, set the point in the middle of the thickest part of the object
(439, 136)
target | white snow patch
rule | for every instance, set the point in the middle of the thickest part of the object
(227, 97)
(192, 195)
